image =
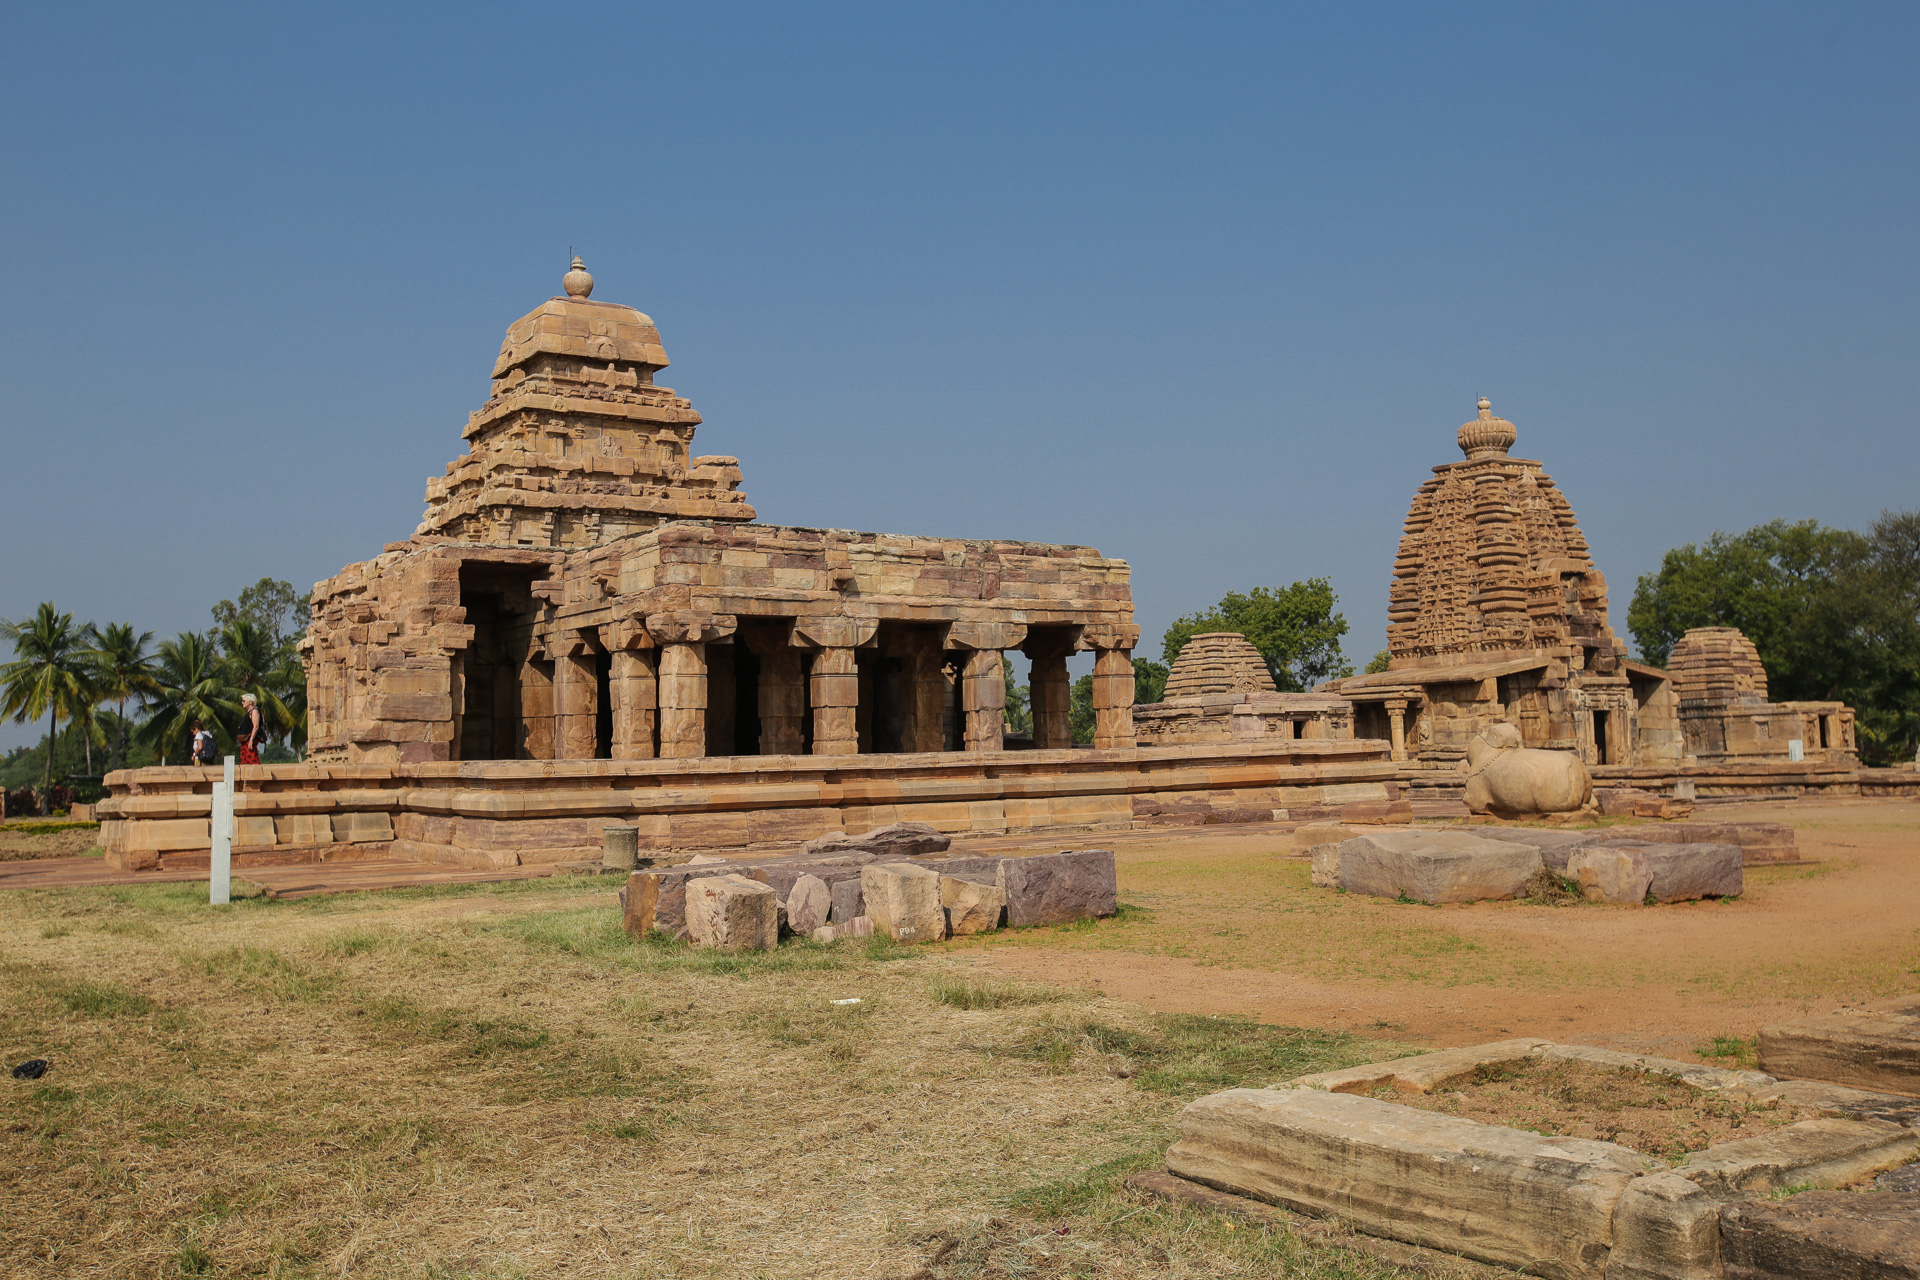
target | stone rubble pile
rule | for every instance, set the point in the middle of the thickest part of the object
(739, 906)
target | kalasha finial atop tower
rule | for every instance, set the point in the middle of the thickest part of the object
(1486, 436)
(577, 282)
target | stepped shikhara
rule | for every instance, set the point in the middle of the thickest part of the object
(584, 587)
(1221, 691)
(576, 445)
(1725, 714)
(1218, 662)
(1492, 563)
(1497, 612)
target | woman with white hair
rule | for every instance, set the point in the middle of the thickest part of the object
(253, 730)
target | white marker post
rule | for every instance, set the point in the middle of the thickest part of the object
(220, 873)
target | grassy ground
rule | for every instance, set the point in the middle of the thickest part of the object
(29, 838)
(494, 1081)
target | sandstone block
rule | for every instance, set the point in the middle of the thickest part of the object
(1824, 1153)
(1666, 1228)
(1556, 848)
(848, 900)
(1435, 866)
(253, 831)
(1424, 1072)
(1497, 1194)
(353, 827)
(1059, 888)
(1681, 872)
(1326, 865)
(809, 903)
(303, 828)
(732, 913)
(858, 927)
(972, 907)
(1833, 1235)
(620, 847)
(826, 933)
(1870, 1050)
(898, 840)
(1611, 875)
(903, 901)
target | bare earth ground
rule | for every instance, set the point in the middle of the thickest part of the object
(1235, 928)
(494, 1081)
(28, 839)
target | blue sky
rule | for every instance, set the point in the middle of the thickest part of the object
(1208, 287)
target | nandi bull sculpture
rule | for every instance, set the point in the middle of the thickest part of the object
(1512, 781)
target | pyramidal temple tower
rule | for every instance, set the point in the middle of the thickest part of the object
(1497, 612)
(576, 444)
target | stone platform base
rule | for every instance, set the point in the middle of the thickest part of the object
(508, 813)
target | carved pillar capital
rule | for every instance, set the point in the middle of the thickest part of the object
(835, 632)
(690, 626)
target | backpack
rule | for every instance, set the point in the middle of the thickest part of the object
(203, 748)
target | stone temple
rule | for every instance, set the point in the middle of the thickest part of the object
(1725, 714)
(1497, 612)
(1220, 690)
(584, 586)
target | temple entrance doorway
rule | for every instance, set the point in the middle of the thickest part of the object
(498, 599)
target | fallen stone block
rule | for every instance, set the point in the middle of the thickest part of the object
(1556, 848)
(809, 903)
(1059, 888)
(858, 927)
(1872, 1049)
(1831, 1235)
(1435, 866)
(1818, 1153)
(732, 913)
(1619, 802)
(903, 901)
(972, 907)
(1377, 813)
(900, 840)
(1682, 872)
(1615, 875)
(1326, 865)
(1841, 1102)
(825, 933)
(848, 901)
(1497, 1194)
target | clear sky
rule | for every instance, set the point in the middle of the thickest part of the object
(1208, 287)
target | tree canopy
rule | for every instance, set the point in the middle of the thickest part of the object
(1295, 628)
(1835, 615)
(50, 675)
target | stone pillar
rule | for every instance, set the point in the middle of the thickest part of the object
(983, 700)
(834, 687)
(536, 707)
(925, 689)
(983, 681)
(682, 637)
(1050, 691)
(636, 699)
(835, 694)
(683, 699)
(1397, 726)
(783, 699)
(577, 697)
(1112, 698)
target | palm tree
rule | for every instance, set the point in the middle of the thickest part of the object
(290, 682)
(250, 662)
(49, 674)
(122, 668)
(189, 687)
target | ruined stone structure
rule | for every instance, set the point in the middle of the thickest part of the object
(584, 587)
(1725, 715)
(1498, 613)
(1221, 691)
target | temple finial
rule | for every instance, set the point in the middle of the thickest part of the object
(577, 282)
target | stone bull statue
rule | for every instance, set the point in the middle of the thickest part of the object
(1512, 781)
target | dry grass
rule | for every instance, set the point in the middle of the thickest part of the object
(493, 1081)
(31, 838)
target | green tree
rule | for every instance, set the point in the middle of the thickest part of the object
(269, 604)
(49, 676)
(253, 661)
(191, 687)
(1149, 681)
(1080, 709)
(1379, 662)
(1019, 713)
(1295, 629)
(122, 669)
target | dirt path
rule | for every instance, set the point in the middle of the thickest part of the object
(1235, 928)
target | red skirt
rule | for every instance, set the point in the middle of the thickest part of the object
(248, 755)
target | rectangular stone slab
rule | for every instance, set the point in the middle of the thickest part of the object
(1878, 1051)
(1423, 1073)
(1435, 866)
(1492, 1193)
(1683, 872)
(1835, 1235)
(1821, 1153)
(1059, 888)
